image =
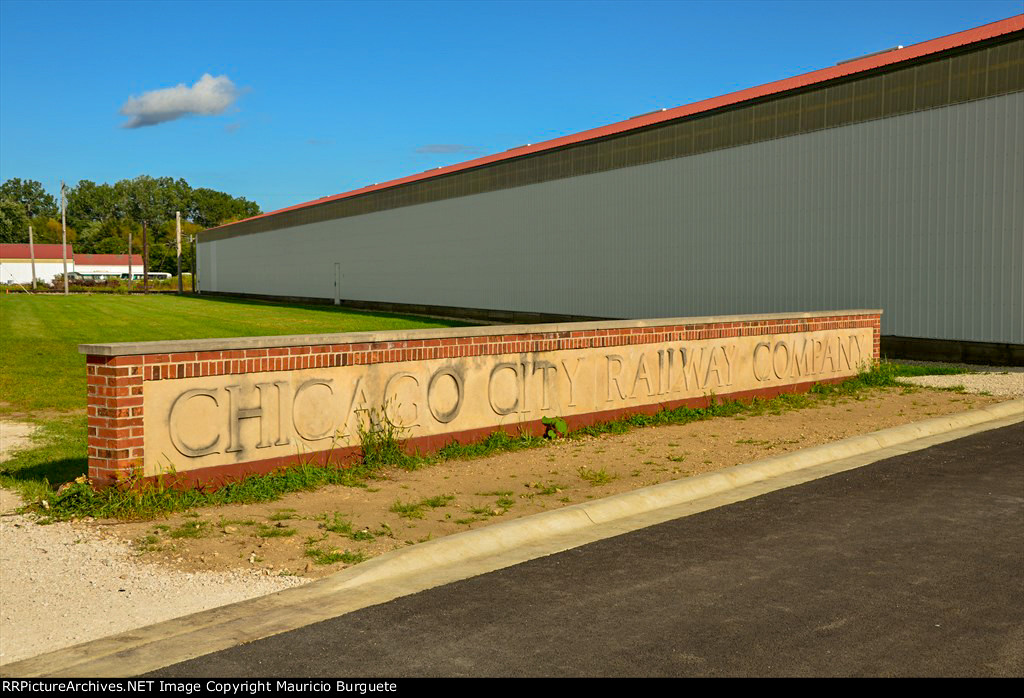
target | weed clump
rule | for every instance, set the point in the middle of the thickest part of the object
(323, 556)
(380, 441)
(596, 477)
(417, 510)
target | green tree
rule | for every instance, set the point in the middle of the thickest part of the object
(149, 201)
(13, 221)
(103, 214)
(47, 230)
(31, 195)
(90, 234)
(139, 199)
(210, 208)
(89, 202)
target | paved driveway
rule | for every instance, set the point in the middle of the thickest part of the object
(909, 566)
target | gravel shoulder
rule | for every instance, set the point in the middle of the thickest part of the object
(64, 584)
(67, 583)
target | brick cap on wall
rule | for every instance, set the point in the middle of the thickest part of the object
(187, 345)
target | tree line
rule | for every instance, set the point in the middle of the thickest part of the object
(101, 218)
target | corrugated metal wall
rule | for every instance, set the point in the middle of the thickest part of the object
(919, 214)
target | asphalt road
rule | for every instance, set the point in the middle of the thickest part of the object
(909, 566)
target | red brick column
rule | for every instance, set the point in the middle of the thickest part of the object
(115, 417)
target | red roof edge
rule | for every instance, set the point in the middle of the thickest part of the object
(46, 250)
(859, 65)
(96, 259)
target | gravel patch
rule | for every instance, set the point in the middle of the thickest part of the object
(1002, 381)
(64, 584)
(61, 585)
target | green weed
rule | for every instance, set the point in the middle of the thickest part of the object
(415, 510)
(556, 427)
(342, 526)
(265, 531)
(596, 477)
(190, 529)
(322, 556)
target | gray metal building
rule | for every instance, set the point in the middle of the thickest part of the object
(893, 181)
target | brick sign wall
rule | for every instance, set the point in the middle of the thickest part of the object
(214, 410)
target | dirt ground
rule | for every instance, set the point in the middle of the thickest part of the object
(13, 437)
(314, 534)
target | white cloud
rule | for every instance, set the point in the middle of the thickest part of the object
(210, 95)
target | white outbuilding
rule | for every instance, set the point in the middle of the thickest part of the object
(16, 262)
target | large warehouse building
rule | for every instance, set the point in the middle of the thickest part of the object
(892, 181)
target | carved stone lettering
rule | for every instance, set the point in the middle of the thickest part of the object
(229, 419)
(803, 357)
(613, 377)
(817, 355)
(441, 414)
(781, 368)
(502, 409)
(729, 354)
(692, 359)
(236, 413)
(716, 363)
(310, 416)
(662, 374)
(642, 374)
(571, 375)
(828, 360)
(174, 433)
(762, 363)
(855, 352)
(546, 370)
(398, 410)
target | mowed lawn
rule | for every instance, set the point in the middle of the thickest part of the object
(41, 370)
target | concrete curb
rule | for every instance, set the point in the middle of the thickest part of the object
(467, 554)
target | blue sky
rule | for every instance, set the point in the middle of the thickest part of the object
(331, 96)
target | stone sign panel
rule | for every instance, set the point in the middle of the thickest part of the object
(214, 409)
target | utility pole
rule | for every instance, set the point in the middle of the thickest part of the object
(194, 239)
(177, 228)
(130, 279)
(145, 259)
(32, 255)
(64, 235)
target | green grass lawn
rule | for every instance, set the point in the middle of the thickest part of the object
(42, 375)
(42, 371)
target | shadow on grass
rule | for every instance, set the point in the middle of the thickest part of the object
(56, 472)
(58, 455)
(329, 307)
